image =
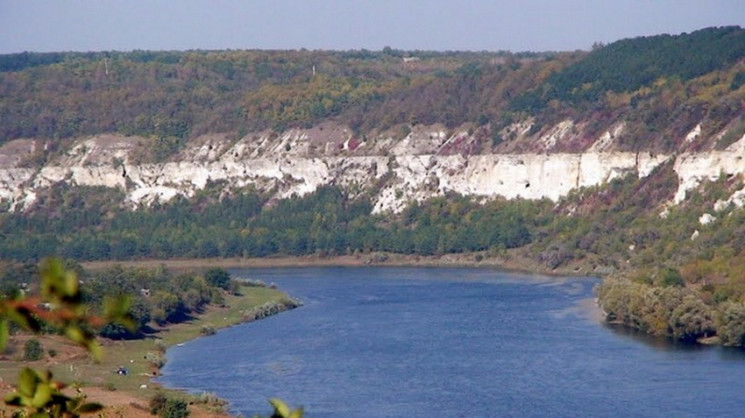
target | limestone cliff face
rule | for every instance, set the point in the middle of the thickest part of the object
(426, 162)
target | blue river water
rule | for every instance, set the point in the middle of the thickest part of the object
(394, 342)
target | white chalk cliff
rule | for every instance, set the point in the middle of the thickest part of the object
(415, 167)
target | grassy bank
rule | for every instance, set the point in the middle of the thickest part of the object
(72, 365)
(512, 260)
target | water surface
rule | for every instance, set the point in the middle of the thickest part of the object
(451, 342)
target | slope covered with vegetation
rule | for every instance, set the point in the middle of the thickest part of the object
(184, 94)
(675, 275)
(661, 85)
(326, 222)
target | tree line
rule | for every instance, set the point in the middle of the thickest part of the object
(157, 295)
(185, 94)
(245, 224)
(630, 64)
(661, 86)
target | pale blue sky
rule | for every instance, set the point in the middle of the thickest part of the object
(529, 25)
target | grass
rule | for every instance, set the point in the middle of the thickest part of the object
(81, 369)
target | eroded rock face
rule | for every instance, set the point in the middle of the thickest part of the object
(426, 162)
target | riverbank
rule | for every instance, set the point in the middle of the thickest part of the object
(130, 393)
(511, 261)
(123, 379)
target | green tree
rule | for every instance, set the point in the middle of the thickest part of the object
(174, 408)
(692, 319)
(218, 277)
(164, 306)
(730, 324)
(33, 350)
(671, 277)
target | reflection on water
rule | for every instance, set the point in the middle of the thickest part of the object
(671, 345)
(731, 354)
(658, 343)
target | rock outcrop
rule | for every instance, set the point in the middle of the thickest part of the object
(425, 163)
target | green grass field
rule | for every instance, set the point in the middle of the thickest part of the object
(133, 355)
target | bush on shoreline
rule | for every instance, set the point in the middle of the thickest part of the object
(269, 309)
(671, 311)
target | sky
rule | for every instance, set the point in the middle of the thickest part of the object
(476, 25)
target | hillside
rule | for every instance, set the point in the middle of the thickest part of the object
(625, 160)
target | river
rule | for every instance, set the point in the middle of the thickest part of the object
(393, 342)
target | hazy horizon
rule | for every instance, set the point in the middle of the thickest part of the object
(433, 25)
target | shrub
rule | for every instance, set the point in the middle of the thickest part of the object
(650, 308)
(671, 277)
(555, 256)
(269, 309)
(115, 332)
(33, 350)
(160, 346)
(157, 360)
(208, 398)
(253, 283)
(174, 408)
(218, 277)
(157, 403)
(207, 330)
(691, 319)
(730, 323)
(235, 288)
(167, 407)
(211, 400)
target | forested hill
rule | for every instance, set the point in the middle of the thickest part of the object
(626, 160)
(661, 85)
(185, 94)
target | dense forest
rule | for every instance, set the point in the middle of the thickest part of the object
(662, 85)
(87, 226)
(184, 94)
(672, 274)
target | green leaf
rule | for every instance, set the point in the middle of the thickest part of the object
(23, 317)
(75, 334)
(95, 349)
(4, 333)
(280, 408)
(52, 273)
(298, 413)
(60, 399)
(71, 284)
(119, 305)
(13, 399)
(28, 380)
(42, 396)
(117, 310)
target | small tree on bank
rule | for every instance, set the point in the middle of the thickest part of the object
(218, 277)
